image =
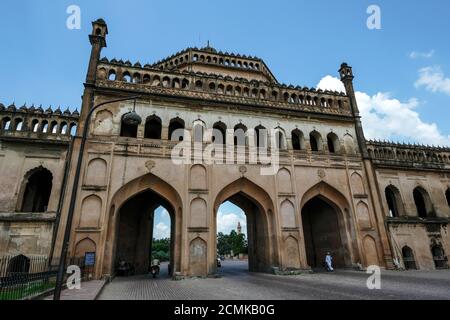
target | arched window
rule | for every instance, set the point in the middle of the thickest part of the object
(394, 201)
(18, 123)
(439, 258)
(126, 77)
(298, 141)
(37, 191)
(54, 127)
(423, 203)
(176, 129)
(44, 126)
(128, 130)
(279, 140)
(240, 132)
(408, 258)
(73, 129)
(112, 75)
(35, 125)
(333, 143)
(219, 133)
(6, 123)
(63, 128)
(447, 195)
(315, 139)
(198, 131)
(153, 128)
(260, 137)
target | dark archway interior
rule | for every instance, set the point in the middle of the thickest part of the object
(408, 258)
(420, 203)
(37, 191)
(314, 143)
(392, 202)
(128, 130)
(153, 128)
(135, 230)
(322, 233)
(447, 195)
(257, 232)
(175, 130)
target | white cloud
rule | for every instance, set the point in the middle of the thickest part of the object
(226, 222)
(162, 231)
(423, 55)
(385, 117)
(434, 80)
(331, 83)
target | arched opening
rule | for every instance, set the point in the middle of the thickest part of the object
(408, 258)
(240, 132)
(447, 196)
(323, 233)
(130, 225)
(128, 129)
(423, 203)
(232, 240)
(145, 232)
(18, 265)
(153, 128)
(198, 131)
(439, 258)
(176, 129)
(315, 140)
(298, 141)
(333, 143)
(37, 191)
(219, 133)
(394, 201)
(6, 123)
(279, 140)
(18, 124)
(260, 137)
(247, 209)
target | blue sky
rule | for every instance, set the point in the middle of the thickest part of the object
(43, 62)
(402, 71)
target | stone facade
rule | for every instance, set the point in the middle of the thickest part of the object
(328, 192)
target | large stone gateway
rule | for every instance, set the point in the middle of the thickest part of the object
(294, 159)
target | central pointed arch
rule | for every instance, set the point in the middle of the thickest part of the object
(259, 209)
(155, 192)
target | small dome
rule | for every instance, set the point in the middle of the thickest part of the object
(2, 106)
(67, 112)
(57, 111)
(132, 118)
(76, 113)
(12, 108)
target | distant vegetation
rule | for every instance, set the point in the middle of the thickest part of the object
(232, 242)
(161, 249)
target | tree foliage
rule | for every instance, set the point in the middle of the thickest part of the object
(231, 242)
(161, 249)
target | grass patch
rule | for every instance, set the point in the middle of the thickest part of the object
(22, 291)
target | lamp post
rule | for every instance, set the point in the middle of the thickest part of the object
(65, 247)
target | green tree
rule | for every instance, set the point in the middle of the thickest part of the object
(232, 242)
(161, 249)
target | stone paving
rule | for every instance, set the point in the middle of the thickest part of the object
(89, 291)
(238, 284)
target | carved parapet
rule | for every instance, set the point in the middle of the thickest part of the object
(37, 123)
(409, 155)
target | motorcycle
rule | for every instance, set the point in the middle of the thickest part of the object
(154, 271)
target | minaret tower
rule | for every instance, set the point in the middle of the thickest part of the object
(98, 41)
(347, 77)
(239, 228)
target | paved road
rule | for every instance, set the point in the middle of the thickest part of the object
(238, 284)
